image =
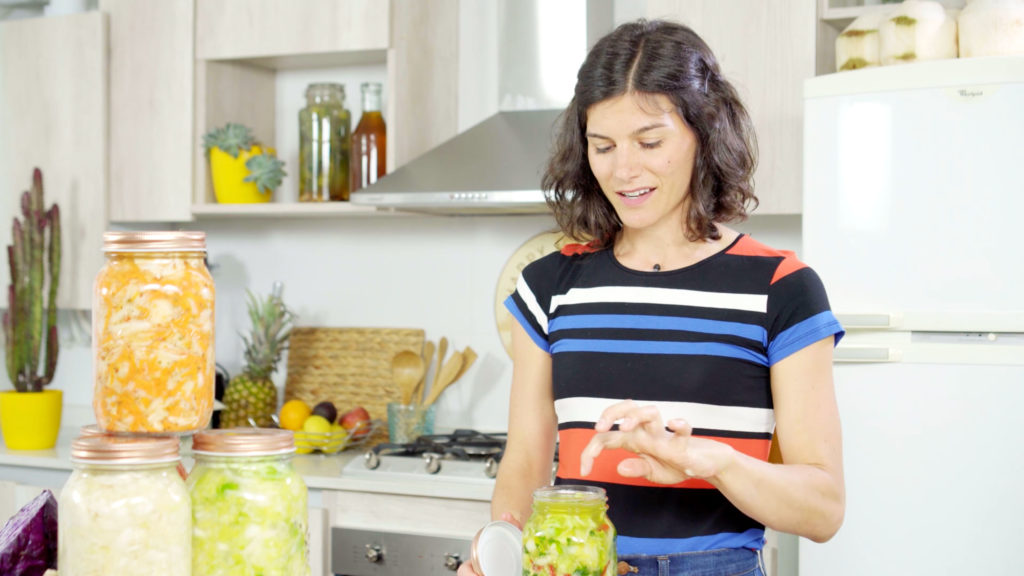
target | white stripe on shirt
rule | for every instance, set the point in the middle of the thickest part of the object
(643, 295)
(531, 303)
(708, 416)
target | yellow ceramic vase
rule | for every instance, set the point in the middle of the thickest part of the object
(229, 173)
(30, 420)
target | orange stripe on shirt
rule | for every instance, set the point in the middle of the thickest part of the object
(571, 442)
(747, 246)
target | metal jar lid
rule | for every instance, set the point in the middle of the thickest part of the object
(497, 550)
(155, 241)
(107, 449)
(243, 442)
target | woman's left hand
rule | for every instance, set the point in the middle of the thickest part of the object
(664, 456)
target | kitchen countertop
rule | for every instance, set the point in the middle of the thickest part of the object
(320, 472)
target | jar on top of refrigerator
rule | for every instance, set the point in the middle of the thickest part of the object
(124, 510)
(249, 505)
(153, 334)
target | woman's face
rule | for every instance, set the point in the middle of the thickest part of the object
(642, 154)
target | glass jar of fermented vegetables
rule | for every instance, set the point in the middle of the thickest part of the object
(124, 510)
(249, 505)
(325, 127)
(569, 533)
(153, 334)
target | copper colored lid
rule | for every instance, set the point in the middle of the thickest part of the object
(91, 430)
(124, 449)
(157, 241)
(244, 441)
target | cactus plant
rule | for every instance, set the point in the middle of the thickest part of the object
(34, 259)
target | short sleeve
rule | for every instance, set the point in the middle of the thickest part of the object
(798, 314)
(530, 301)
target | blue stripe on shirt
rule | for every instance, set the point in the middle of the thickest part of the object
(803, 334)
(752, 539)
(539, 340)
(658, 347)
(646, 322)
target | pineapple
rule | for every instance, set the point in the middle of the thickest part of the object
(252, 395)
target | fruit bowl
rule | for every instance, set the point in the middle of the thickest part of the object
(336, 440)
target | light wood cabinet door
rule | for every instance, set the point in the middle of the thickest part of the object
(151, 107)
(424, 75)
(53, 114)
(767, 50)
(243, 29)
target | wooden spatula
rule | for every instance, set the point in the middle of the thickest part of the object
(445, 377)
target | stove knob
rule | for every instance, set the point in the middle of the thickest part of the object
(374, 553)
(491, 467)
(433, 463)
(371, 460)
(452, 561)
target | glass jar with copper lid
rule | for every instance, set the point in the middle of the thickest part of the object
(153, 334)
(249, 505)
(124, 510)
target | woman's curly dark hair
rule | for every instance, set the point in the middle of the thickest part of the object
(655, 57)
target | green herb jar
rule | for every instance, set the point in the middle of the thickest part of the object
(569, 533)
(249, 504)
(325, 133)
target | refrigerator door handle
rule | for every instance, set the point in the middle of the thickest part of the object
(861, 354)
(882, 321)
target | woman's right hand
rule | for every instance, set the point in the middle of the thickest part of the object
(466, 568)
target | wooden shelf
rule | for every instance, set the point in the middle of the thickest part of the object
(290, 210)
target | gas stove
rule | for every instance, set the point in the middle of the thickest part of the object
(462, 455)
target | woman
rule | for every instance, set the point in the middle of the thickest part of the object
(666, 351)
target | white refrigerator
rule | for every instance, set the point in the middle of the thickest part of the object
(913, 199)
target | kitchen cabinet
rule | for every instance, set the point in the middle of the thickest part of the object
(53, 110)
(767, 50)
(242, 46)
(151, 107)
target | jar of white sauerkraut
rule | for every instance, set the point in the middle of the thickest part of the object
(124, 510)
(153, 334)
(249, 505)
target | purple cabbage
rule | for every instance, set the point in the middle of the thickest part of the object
(28, 542)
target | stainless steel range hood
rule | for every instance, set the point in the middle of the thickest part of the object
(495, 166)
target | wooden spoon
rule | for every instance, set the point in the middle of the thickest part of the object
(445, 377)
(442, 349)
(428, 357)
(407, 369)
(468, 357)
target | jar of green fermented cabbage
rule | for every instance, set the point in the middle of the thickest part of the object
(325, 128)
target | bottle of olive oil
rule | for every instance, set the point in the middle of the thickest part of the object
(369, 141)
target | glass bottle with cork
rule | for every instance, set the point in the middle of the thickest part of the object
(369, 141)
(325, 127)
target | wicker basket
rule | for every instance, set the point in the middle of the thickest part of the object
(348, 366)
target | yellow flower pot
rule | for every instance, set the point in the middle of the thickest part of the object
(229, 174)
(30, 420)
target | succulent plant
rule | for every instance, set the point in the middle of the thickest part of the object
(34, 259)
(230, 138)
(266, 171)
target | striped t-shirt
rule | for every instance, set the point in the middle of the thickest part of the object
(698, 342)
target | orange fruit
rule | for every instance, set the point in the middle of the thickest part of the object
(293, 414)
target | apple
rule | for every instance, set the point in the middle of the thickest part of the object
(357, 422)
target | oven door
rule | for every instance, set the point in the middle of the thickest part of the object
(376, 553)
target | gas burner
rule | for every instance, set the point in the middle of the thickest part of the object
(463, 445)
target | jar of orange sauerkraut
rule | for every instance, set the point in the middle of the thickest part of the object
(153, 334)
